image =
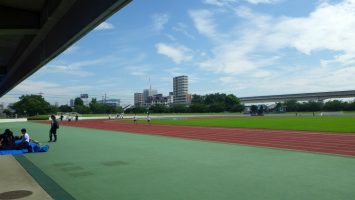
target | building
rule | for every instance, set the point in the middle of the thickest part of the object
(113, 102)
(148, 93)
(170, 98)
(181, 90)
(85, 98)
(138, 99)
(157, 99)
(71, 103)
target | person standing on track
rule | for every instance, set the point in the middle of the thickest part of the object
(148, 118)
(53, 130)
(135, 119)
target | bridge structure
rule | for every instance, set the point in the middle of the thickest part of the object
(315, 96)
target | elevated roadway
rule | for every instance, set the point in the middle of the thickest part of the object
(316, 96)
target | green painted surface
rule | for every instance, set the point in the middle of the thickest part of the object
(93, 164)
(328, 124)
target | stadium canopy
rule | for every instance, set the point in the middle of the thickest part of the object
(33, 32)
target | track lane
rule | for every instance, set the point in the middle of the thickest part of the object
(321, 142)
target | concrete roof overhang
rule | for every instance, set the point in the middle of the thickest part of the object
(33, 32)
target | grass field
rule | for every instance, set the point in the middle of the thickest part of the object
(94, 164)
(327, 124)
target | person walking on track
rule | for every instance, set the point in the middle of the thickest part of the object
(53, 130)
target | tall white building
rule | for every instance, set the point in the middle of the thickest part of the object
(148, 93)
(138, 99)
(181, 90)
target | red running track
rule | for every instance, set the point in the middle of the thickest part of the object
(321, 142)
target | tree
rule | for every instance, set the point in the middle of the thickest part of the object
(178, 108)
(32, 105)
(197, 99)
(261, 109)
(311, 106)
(7, 112)
(198, 108)
(78, 102)
(158, 108)
(136, 109)
(253, 109)
(350, 106)
(335, 105)
(65, 108)
(232, 103)
(237, 108)
(278, 107)
(291, 105)
(217, 107)
(214, 98)
(80, 107)
(95, 107)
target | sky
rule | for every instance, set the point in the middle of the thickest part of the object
(242, 47)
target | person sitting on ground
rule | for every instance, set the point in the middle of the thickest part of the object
(8, 140)
(1, 140)
(25, 139)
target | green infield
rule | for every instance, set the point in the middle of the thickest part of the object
(327, 124)
(94, 164)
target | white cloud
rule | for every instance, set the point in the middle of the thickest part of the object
(52, 92)
(75, 68)
(141, 70)
(263, 1)
(104, 26)
(204, 23)
(219, 3)
(159, 21)
(66, 69)
(182, 28)
(230, 3)
(329, 27)
(178, 53)
(259, 42)
(250, 55)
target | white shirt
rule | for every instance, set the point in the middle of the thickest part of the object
(26, 137)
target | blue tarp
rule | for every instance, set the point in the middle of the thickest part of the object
(35, 148)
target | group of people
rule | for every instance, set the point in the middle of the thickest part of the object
(10, 142)
(69, 118)
(135, 119)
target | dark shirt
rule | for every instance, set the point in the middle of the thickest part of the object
(54, 125)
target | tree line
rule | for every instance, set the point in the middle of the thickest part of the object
(31, 105)
(312, 106)
(200, 104)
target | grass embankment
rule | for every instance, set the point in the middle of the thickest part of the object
(326, 124)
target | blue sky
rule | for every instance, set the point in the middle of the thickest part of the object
(244, 47)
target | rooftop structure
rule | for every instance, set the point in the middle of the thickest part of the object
(34, 32)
